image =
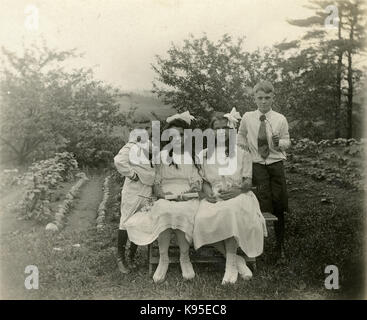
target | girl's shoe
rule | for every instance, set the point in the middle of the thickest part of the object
(188, 272)
(121, 263)
(242, 268)
(161, 271)
(231, 272)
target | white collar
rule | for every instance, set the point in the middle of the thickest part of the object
(265, 114)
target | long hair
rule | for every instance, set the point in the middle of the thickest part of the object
(179, 124)
(219, 116)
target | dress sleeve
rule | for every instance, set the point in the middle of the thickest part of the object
(246, 164)
(122, 163)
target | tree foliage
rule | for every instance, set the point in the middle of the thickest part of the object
(47, 109)
(202, 76)
(349, 41)
(315, 85)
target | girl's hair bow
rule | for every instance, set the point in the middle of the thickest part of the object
(232, 117)
(185, 116)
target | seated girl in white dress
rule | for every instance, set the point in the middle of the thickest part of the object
(229, 215)
(173, 178)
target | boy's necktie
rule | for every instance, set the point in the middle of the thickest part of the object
(262, 140)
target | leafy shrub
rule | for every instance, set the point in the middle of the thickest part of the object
(97, 151)
(41, 179)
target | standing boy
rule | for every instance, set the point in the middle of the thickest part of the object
(265, 133)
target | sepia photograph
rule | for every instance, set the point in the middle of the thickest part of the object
(207, 150)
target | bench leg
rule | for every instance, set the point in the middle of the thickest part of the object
(254, 266)
(149, 260)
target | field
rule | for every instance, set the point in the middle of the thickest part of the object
(324, 227)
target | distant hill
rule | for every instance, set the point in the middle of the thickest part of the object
(145, 105)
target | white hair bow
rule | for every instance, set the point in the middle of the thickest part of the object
(233, 117)
(185, 116)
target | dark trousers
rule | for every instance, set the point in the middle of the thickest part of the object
(271, 191)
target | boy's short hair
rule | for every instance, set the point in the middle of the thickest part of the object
(265, 86)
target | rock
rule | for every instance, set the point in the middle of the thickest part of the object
(77, 245)
(52, 227)
(100, 219)
(59, 216)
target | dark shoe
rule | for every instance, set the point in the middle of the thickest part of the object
(132, 264)
(122, 265)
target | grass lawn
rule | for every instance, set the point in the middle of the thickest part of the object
(317, 234)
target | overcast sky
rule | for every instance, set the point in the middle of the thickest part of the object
(120, 38)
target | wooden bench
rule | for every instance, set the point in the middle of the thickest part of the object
(206, 254)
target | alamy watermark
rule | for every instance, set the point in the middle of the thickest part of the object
(179, 147)
(332, 20)
(32, 280)
(332, 280)
(31, 21)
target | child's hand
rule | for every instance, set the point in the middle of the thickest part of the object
(246, 184)
(211, 198)
(276, 140)
(135, 177)
(195, 188)
(230, 193)
(162, 195)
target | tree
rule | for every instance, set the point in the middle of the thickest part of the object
(350, 40)
(46, 109)
(355, 24)
(304, 84)
(203, 76)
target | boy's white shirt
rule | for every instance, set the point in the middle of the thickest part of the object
(249, 130)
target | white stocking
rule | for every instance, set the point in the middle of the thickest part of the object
(163, 242)
(242, 267)
(231, 272)
(186, 266)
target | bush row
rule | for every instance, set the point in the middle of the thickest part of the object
(41, 180)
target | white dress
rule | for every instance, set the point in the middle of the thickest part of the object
(145, 226)
(134, 194)
(239, 217)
